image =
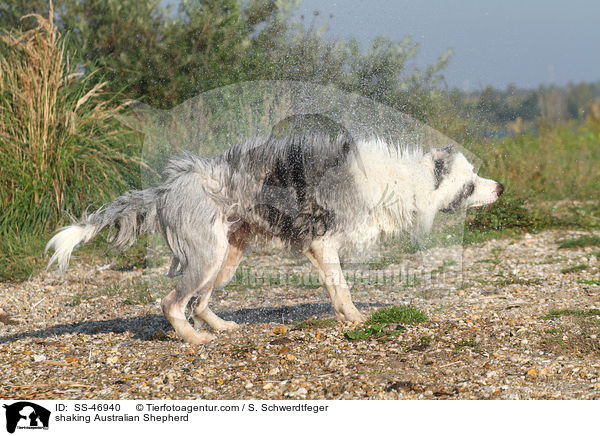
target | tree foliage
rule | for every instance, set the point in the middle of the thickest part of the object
(165, 55)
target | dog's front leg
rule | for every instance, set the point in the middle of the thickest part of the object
(323, 254)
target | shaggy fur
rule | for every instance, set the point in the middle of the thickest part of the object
(310, 188)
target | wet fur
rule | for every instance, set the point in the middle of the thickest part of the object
(313, 190)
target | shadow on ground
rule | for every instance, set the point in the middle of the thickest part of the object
(149, 327)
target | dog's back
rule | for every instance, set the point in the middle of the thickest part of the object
(290, 186)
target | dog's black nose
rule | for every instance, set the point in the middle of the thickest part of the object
(499, 189)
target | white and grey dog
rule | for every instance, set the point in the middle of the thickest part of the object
(309, 187)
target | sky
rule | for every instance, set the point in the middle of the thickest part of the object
(500, 42)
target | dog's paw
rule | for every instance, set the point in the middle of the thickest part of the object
(350, 317)
(356, 319)
(200, 338)
(226, 325)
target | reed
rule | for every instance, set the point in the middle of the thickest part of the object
(61, 145)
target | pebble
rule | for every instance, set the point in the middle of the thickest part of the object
(484, 345)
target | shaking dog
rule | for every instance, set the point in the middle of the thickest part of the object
(310, 188)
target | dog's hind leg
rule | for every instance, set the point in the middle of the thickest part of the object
(323, 255)
(174, 305)
(214, 320)
(202, 312)
(199, 273)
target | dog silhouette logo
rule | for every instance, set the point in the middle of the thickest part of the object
(26, 415)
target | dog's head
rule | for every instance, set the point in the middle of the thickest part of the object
(456, 186)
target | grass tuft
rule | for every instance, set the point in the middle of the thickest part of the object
(379, 325)
(574, 269)
(571, 312)
(517, 281)
(380, 332)
(589, 282)
(397, 314)
(315, 323)
(583, 241)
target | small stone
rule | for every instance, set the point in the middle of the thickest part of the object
(532, 371)
(274, 371)
(39, 357)
(267, 386)
(281, 329)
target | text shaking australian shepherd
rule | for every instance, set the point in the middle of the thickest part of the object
(310, 188)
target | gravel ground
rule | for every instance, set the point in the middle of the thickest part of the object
(100, 334)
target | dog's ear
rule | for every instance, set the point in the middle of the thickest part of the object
(443, 153)
(441, 158)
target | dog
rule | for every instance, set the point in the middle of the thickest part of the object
(310, 187)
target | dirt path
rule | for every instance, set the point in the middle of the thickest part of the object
(100, 334)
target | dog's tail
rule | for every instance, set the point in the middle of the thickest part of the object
(132, 214)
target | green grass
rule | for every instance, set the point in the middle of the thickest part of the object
(492, 261)
(468, 343)
(573, 269)
(583, 241)
(551, 261)
(518, 281)
(381, 332)
(559, 161)
(316, 323)
(554, 314)
(64, 149)
(382, 263)
(421, 344)
(383, 324)
(589, 282)
(21, 256)
(397, 314)
(508, 212)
